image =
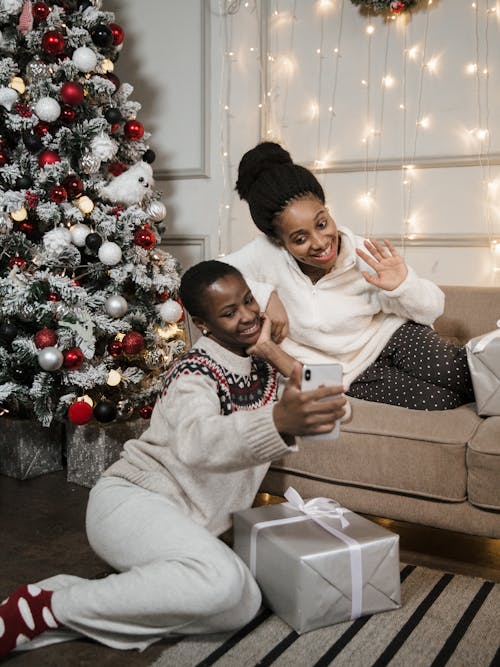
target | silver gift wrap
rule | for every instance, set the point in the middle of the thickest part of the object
(28, 449)
(304, 572)
(483, 356)
(92, 448)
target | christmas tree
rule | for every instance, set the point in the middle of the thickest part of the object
(89, 318)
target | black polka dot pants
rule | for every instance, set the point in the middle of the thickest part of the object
(417, 369)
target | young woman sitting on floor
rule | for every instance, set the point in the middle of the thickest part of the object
(154, 516)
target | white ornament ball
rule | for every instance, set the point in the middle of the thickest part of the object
(170, 311)
(116, 305)
(84, 58)
(8, 97)
(79, 233)
(48, 109)
(50, 358)
(156, 210)
(110, 253)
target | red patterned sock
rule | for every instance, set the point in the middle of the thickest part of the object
(24, 615)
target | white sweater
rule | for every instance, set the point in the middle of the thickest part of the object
(340, 318)
(211, 437)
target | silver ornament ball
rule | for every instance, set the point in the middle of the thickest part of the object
(156, 210)
(50, 358)
(116, 305)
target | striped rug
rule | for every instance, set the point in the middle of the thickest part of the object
(445, 619)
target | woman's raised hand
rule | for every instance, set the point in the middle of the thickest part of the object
(390, 268)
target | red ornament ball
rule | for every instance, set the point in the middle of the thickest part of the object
(145, 238)
(133, 130)
(48, 157)
(27, 227)
(45, 338)
(58, 194)
(115, 348)
(146, 411)
(40, 10)
(53, 42)
(397, 6)
(118, 33)
(133, 342)
(41, 128)
(73, 358)
(54, 297)
(20, 262)
(111, 76)
(117, 168)
(4, 158)
(163, 296)
(72, 93)
(68, 114)
(73, 186)
(80, 412)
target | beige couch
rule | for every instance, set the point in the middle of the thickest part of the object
(440, 468)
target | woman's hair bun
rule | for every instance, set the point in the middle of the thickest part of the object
(263, 157)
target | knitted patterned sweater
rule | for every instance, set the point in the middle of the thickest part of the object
(211, 437)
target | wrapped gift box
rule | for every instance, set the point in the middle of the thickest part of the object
(483, 356)
(28, 449)
(312, 577)
(92, 448)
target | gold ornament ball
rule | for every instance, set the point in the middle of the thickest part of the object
(85, 204)
(19, 215)
(17, 84)
(106, 65)
(86, 399)
(114, 378)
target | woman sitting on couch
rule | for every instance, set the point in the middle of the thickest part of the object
(348, 300)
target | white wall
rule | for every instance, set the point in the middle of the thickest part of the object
(190, 59)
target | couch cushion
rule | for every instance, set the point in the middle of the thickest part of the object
(483, 463)
(394, 449)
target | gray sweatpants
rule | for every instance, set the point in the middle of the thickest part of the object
(174, 577)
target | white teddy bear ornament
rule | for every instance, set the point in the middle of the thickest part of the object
(130, 187)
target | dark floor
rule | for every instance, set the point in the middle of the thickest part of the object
(42, 534)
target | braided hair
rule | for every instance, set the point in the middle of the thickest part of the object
(268, 180)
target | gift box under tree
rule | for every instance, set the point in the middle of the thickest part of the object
(27, 449)
(92, 448)
(318, 563)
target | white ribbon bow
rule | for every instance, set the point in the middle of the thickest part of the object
(317, 507)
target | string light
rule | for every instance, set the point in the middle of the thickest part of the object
(414, 114)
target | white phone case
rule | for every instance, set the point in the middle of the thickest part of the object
(321, 375)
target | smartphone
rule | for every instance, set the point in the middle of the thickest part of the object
(321, 375)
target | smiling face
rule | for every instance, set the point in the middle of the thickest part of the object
(307, 230)
(232, 314)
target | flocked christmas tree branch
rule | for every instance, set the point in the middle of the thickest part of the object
(394, 6)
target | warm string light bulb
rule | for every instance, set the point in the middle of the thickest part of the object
(367, 201)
